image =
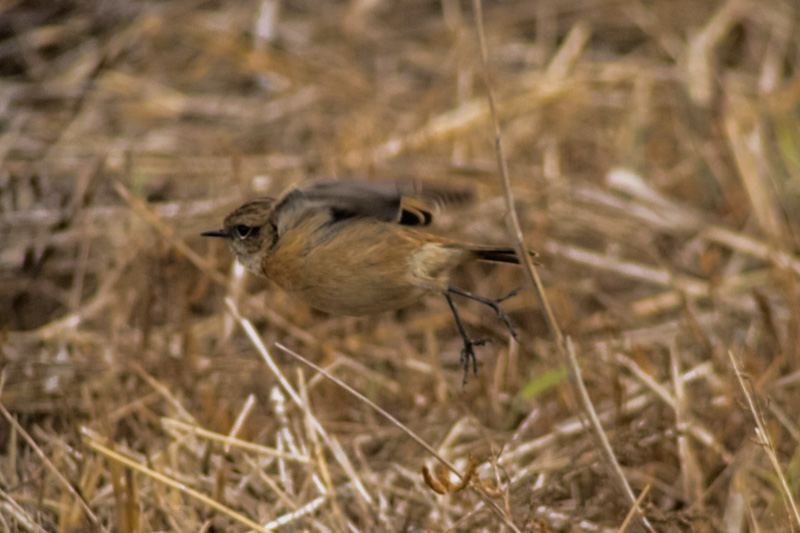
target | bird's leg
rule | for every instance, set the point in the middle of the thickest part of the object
(468, 352)
(494, 304)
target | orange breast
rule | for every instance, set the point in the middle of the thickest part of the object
(359, 267)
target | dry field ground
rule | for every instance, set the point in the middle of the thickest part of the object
(653, 154)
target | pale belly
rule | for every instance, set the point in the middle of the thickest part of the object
(362, 299)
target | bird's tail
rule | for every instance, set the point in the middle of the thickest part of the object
(497, 255)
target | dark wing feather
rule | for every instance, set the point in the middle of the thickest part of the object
(351, 199)
(401, 202)
(386, 200)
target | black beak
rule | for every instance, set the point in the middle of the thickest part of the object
(215, 233)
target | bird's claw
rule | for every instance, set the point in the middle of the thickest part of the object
(507, 296)
(467, 355)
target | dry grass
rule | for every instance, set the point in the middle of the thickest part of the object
(653, 153)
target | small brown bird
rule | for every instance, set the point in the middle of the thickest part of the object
(357, 248)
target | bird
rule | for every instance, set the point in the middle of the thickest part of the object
(357, 247)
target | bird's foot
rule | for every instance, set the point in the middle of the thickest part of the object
(468, 354)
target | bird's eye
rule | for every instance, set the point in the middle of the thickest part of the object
(243, 231)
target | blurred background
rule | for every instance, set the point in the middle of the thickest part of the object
(654, 157)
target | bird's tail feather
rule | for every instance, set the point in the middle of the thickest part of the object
(497, 255)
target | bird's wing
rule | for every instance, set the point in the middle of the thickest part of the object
(390, 201)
